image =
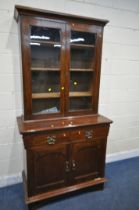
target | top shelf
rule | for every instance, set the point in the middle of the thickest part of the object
(82, 45)
(57, 69)
(58, 44)
(51, 43)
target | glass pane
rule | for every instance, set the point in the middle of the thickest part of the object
(80, 103)
(45, 106)
(82, 37)
(45, 34)
(80, 81)
(45, 56)
(81, 58)
(81, 70)
(45, 69)
(45, 82)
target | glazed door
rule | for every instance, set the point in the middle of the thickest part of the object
(43, 63)
(86, 160)
(61, 67)
(83, 68)
(49, 167)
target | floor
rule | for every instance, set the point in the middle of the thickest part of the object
(120, 193)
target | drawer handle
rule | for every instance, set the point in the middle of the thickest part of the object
(51, 139)
(67, 169)
(89, 134)
(73, 165)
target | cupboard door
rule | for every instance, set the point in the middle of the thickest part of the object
(83, 68)
(49, 167)
(43, 67)
(86, 161)
(82, 53)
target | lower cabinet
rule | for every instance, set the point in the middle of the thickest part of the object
(54, 166)
(49, 165)
(59, 161)
(86, 160)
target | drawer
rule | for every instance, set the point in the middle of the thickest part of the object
(65, 136)
(46, 139)
(89, 133)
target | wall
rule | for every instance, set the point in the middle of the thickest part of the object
(119, 91)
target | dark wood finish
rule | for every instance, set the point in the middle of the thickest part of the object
(77, 155)
(29, 18)
(49, 165)
(23, 10)
(26, 22)
(36, 126)
(61, 191)
(86, 160)
(64, 150)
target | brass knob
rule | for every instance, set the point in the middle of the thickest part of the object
(73, 165)
(67, 169)
(89, 134)
(62, 88)
(51, 139)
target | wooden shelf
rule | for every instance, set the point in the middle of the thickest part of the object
(44, 69)
(45, 95)
(59, 44)
(57, 69)
(80, 94)
(84, 70)
(45, 42)
(82, 46)
(57, 95)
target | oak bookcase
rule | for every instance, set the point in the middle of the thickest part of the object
(64, 136)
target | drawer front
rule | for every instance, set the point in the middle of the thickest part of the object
(66, 136)
(46, 139)
(89, 133)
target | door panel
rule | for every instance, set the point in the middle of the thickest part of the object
(86, 161)
(61, 68)
(49, 168)
(82, 57)
(83, 47)
(45, 53)
(45, 69)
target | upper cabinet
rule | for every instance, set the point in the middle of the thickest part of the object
(61, 59)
